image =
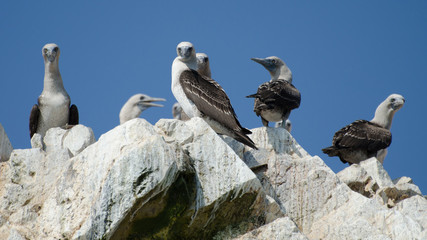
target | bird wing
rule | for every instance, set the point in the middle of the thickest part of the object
(210, 99)
(362, 134)
(283, 93)
(73, 117)
(279, 92)
(34, 119)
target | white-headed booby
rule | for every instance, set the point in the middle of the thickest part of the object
(136, 104)
(203, 97)
(203, 65)
(53, 108)
(364, 139)
(287, 125)
(275, 99)
(178, 114)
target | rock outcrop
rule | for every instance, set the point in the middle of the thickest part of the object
(5, 145)
(180, 180)
(370, 179)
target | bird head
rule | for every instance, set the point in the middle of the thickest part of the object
(50, 52)
(143, 101)
(202, 59)
(385, 111)
(176, 111)
(185, 51)
(203, 64)
(276, 67)
(395, 102)
(270, 63)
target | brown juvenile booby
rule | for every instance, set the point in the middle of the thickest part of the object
(364, 139)
(136, 105)
(203, 97)
(53, 108)
(275, 99)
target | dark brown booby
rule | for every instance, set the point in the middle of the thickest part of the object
(364, 139)
(275, 99)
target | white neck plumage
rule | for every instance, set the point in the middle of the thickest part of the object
(283, 73)
(52, 78)
(384, 115)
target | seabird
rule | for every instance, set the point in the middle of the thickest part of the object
(203, 97)
(53, 108)
(136, 104)
(178, 114)
(203, 65)
(287, 125)
(275, 99)
(364, 139)
(204, 69)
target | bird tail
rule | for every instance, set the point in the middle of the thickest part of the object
(241, 137)
(331, 151)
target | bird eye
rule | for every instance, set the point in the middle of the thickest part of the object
(45, 50)
(179, 49)
(190, 48)
(55, 49)
(273, 61)
(392, 100)
(141, 98)
(206, 60)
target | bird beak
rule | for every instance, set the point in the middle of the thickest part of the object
(51, 58)
(186, 53)
(265, 63)
(261, 61)
(51, 55)
(397, 105)
(148, 102)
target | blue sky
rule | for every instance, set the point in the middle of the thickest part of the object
(346, 57)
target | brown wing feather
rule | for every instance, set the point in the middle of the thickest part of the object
(210, 99)
(276, 92)
(73, 117)
(362, 134)
(34, 119)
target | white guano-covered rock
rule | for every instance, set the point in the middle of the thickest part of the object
(135, 181)
(180, 180)
(215, 162)
(78, 138)
(5, 145)
(75, 139)
(370, 179)
(358, 180)
(226, 187)
(320, 204)
(416, 208)
(375, 169)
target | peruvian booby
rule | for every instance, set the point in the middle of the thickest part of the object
(136, 104)
(275, 99)
(53, 108)
(287, 125)
(203, 66)
(178, 114)
(364, 139)
(203, 97)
